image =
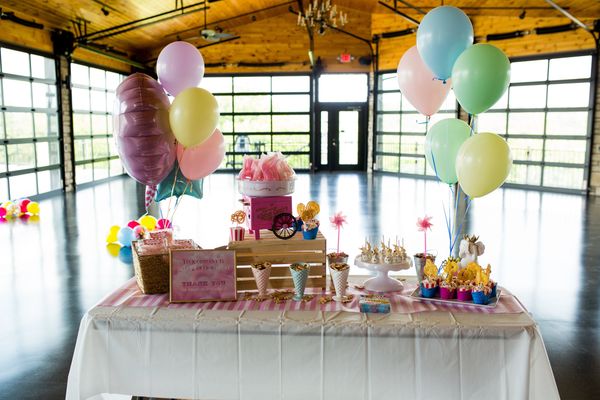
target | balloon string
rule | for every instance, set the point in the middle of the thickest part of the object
(188, 183)
(462, 222)
(172, 190)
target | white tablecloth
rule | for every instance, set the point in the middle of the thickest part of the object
(194, 354)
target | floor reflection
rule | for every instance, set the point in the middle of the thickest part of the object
(542, 246)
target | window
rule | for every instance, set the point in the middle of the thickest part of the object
(545, 116)
(343, 88)
(30, 147)
(401, 129)
(93, 91)
(263, 113)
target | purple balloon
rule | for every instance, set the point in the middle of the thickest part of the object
(142, 132)
(179, 66)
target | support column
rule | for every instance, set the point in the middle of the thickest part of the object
(63, 45)
(594, 180)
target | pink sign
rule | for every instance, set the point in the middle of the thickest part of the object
(202, 275)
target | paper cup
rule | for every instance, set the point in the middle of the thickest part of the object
(463, 295)
(262, 280)
(299, 278)
(446, 293)
(311, 234)
(480, 297)
(236, 234)
(340, 281)
(420, 261)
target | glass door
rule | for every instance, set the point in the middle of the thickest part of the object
(342, 144)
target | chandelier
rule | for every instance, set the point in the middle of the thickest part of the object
(321, 14)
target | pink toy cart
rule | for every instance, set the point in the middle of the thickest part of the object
(273, 213)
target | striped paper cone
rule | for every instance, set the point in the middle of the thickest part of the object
(262, 280)
(299, 278)
(340, 280)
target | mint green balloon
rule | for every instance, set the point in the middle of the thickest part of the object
(480, 77)
(441, 147)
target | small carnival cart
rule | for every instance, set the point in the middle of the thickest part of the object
(267, 205)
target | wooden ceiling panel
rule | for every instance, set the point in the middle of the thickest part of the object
(272, 35)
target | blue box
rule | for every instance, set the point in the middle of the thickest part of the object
(374, 304)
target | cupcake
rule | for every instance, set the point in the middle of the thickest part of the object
(310, 229)
(463, 292)
(492, 285)
(480, 294)
(448, 290)
(429, 288)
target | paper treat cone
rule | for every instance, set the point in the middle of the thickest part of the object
(262, 280)
(299, 278)
(340, 280)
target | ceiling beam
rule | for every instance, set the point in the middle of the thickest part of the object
(569, 15)
(104, 32)
(400, 13)
(175, 34)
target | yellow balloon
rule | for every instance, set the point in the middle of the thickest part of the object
(33, 208)
(115, 229)
(148, 222)
(193, 116)
(111, 238)
(483, 163)
(113, 249)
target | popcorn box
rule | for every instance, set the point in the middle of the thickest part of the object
(374, 304)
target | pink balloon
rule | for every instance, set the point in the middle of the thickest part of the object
(3, 212)
(179, 66)
(200, 161)
(418, 84)
(142, 131)
(133, 223)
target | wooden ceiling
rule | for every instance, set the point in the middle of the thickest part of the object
(269, 34)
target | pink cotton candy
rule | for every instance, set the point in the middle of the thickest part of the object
(269, 167)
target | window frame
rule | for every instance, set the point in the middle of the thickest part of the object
(108, 136)
(32, 110)
(234, 158)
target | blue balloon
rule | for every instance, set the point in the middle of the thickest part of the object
(444, 33)
(126, 236)
(126, 255)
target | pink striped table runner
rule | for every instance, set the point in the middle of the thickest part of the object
(129, 295)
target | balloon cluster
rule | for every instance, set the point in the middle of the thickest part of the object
(479, 74)
(119, 239)
(19, 208)
(152, 134)
(135, 229)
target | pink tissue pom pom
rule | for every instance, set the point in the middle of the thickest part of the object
(269, 167)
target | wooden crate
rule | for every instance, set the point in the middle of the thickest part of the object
(280, 253)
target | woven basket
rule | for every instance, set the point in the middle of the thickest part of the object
(151, 271)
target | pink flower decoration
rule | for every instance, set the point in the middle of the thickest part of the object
(424, 223)
(163, 223)
(338, 220)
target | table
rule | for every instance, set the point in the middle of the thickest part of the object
(188, 352)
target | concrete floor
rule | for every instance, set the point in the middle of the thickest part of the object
(544, 247)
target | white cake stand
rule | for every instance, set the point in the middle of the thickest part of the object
(382, 282)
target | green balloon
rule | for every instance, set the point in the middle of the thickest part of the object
(480, 76)
(441, 147)
(175, 184)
